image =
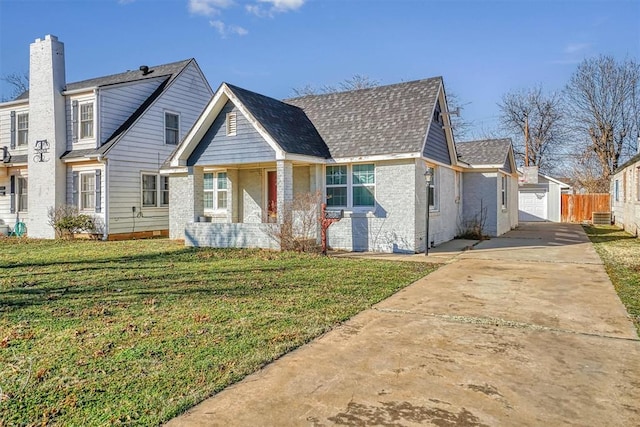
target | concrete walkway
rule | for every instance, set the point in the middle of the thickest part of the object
(522, 330)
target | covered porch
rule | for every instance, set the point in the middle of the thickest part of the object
(238, 205)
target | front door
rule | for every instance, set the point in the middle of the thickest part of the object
(272, 196)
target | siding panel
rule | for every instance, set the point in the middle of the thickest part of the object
(217, 148)
(436, 147)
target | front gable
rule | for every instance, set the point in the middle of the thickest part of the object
(436, 147)
(216, 147)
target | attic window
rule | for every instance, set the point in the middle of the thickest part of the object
(231, 124)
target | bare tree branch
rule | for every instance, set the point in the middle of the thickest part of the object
(543, 115)
(19, 83)
(602, 102)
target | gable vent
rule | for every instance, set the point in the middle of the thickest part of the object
(231, 124)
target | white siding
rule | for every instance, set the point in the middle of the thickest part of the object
(118, 103)
(143, 149)
(5, 128)
(86, 167)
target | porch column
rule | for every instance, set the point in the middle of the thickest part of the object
(232, 195)
(284, 173)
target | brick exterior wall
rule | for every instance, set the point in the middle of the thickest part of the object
(231, 235)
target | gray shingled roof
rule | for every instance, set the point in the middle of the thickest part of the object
(287, 124)
(631, 161)
(484, 152)
(381, 120)
(22, 158)
(128, 76)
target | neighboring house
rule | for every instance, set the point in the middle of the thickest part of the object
(365, 151)
(490, 186)
(541, 201)
(625, 195)
(96, 144)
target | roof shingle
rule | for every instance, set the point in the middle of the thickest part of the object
(484, 152)
(380, 120)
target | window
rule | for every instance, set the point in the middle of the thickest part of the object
(164, 190)
(149, 190)
(336, 179)
(86, 120)
(433, 189)
(23, 128)
(23, 200)
(171, 128)
(351, 186)
(616, 190)
(215, 191)
(87, 191)
(231, 124)
(363, 185)
(503, 191)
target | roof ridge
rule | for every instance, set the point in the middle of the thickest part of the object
(372, 88)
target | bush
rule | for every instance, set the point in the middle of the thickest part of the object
(67, 221)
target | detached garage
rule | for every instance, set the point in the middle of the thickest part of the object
(541, 201)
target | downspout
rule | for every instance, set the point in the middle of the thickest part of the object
(104, 161)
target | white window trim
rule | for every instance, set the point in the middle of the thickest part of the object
(159, 190)
(504, 192)
(162, 190)
(80, 121)
(350, 207)
(165, 127)
(215, 190)
(231, 117)
(435, 189)
(18, 130)
(81, 207)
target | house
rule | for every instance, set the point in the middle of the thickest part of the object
(625, 195)
(365, 151)
(541, 200)
(96, 144)
(490, 186)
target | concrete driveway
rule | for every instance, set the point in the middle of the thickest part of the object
(525, 329)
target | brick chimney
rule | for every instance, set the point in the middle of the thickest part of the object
(47, 122)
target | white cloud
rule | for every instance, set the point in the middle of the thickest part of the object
(224, 30)
(276, 6)
(576, 47)
(208, 7)
(284, 5)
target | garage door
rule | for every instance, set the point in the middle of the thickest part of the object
(532, 206)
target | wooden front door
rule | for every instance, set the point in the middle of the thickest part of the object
(272, 196)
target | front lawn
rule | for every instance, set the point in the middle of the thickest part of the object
(620, 253)
(136, 332)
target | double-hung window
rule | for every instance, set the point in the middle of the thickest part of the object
(23, 128)
(171, 128)
(503, 191)
(86, 120)
(149, 190)
(87, 191)
(23, 199)
(215, 191)
(350, 186)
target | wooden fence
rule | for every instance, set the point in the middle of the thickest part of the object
(580, 207)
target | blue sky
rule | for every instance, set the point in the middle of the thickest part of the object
(482, 48)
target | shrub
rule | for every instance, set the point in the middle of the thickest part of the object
(67, 221)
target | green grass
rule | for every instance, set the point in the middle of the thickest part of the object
(620, 252)
(136, 332)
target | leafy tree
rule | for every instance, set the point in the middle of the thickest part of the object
(603, 99)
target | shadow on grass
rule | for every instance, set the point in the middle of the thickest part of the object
(604, 234)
